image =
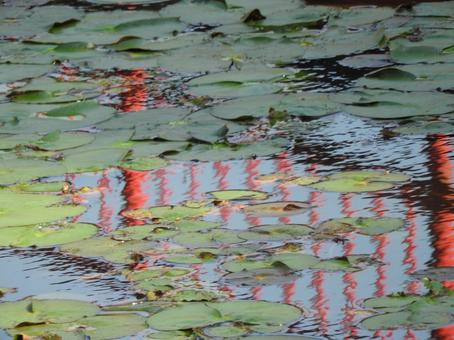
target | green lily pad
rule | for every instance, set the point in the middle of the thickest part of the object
(94, 160)
(45, 235)
(105, 247)
(17, 170)
(38, 208)
(424, 128)
(225, 331)
(39, 187)
(195, 225)
(158, 272)
(309, 105)
(279, 232)
(406, 319)
(220, 152)
(172, 335)
(96, 327)
(12, 72)
(276, 208)
(58, 140)
(170, 212)
(364, 225)
(410, 78)
(384, 104)
(189, 295)
(184, 259)
(212, 238)
(43, 97)
(360, 181)
(39, 311)
(144, 232)
(260, 277)
(336, 264)
(189, 315)
(144, 163)
(229, 195)
(366, 61)
(48, 118)
(192, 315)
(304, 180)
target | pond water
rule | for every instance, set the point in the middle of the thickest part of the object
(332, 301)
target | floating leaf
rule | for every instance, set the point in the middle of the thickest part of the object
(115, 251)
(169, 212)
(219, 152)
(144, 232)
(260, 277)
(95, 327)
(39, 208)
(363, 225)
(276, 208)
(40, 311)
(225, 331)
(239, 194)
(45, 235)
(192, 315)
(212, 238)
(279, 232)
(360, 181)
(144, 164)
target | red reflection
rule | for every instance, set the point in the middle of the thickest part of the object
(135, 195)
(222, 170)
(195, 184)
(443, 226)
(136, 96)
(252, 172)
(105, 211)
(320, 302)
(164, 191)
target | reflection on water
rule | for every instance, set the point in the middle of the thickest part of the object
(40, 271)
(330, 299)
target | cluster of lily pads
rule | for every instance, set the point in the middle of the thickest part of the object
(234, 62)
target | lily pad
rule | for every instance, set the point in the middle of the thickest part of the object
(309, 105)
(225, 331)
(279, 232)
(45, 235)
(276, 208)
(212, 238)
(229, 195)
(144, 232)
(115, 251)
(40, 311)
(260, 277)
(192, 315)
(144, 164)
(360, 181)
(39, 208)
(220, 152)
(170, 212)
(96, 327)
(364, 225)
